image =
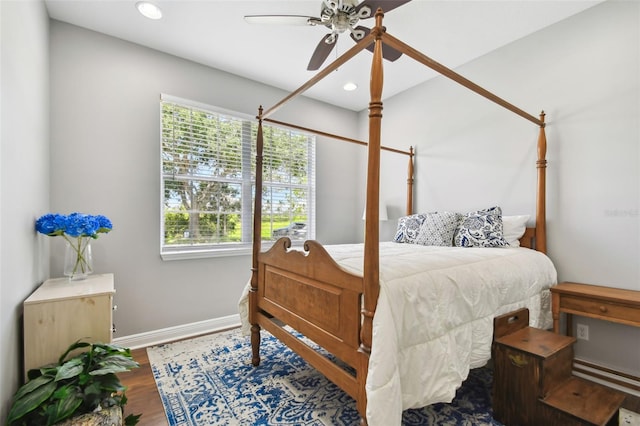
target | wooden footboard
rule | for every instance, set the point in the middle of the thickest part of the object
(312, 294)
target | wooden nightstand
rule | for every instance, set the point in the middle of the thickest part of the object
(605, 303)
(60, 311)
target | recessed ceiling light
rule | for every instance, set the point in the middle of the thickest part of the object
(149, 10)
(350, 87)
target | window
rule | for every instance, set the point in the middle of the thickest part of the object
(208, 175)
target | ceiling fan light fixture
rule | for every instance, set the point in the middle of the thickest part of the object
(364, 12)
(339, 16)
(350, 86)
(149, 10)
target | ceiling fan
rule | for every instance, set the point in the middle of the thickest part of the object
(339, 16)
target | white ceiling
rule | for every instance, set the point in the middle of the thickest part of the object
(214, 33)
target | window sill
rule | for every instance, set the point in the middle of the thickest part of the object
(187, 254)
(205, 254)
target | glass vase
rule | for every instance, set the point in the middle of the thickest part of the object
(78, 263)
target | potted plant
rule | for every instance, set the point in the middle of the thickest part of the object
(83, 383)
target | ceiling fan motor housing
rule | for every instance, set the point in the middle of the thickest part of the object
(340, 15)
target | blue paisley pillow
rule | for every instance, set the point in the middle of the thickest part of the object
(482, 228)
(408, 228)
(438, 229)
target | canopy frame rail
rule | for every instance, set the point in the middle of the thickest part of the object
(338, 137)
(391, 41)
(410, 153)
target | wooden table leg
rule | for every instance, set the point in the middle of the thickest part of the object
(555, 312)
(569, 324)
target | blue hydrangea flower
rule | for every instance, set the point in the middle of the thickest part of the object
(74, 225)
(104, 224)
(51, 224)
(81, 225)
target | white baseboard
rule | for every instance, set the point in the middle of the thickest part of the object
(607, 377)
(157, 337)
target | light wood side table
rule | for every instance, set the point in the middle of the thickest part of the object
(593, 301)
(60, 311)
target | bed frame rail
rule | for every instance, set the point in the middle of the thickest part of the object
(332, 371)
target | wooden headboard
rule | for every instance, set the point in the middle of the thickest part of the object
(528, 240)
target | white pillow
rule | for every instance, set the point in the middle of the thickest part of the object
(513, 228)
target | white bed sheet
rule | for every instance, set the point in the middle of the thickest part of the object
(434, 318)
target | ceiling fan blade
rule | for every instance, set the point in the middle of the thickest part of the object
(388, 52)
(368, 8)
(322, 51)
(282, 19)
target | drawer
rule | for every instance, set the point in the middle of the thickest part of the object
(614, 311)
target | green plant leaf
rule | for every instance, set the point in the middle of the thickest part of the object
(109, 383)
(45, 370)
(75, 386)
(67, 406)
(94, 388)
(114, 364)
(69, 369)
(31, 385)
(113, 348)
(78, 344)
(64, 391)
(132, 420)
(30, 400)
(84, 378)
(50, 414)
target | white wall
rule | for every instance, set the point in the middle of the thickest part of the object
(584, 72)
(24, 174)
(105, 159)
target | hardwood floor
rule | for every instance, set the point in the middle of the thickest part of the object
(142, 393)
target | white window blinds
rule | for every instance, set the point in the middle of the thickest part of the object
(208, 174)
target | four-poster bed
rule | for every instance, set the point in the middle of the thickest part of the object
(332, 297)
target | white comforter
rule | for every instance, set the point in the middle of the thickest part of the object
(434, 318)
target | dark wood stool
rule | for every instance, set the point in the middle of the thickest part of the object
(533, 382)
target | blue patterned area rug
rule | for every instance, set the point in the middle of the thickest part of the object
(209, 380)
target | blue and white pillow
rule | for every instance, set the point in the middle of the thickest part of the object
(408, 228)
(438, 229)
(482, 228)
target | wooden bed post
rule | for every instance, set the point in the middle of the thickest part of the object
(257, 242)
(371, 267)
(410, 183)
(541, 207)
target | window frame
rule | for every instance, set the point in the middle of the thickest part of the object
(247, 183)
